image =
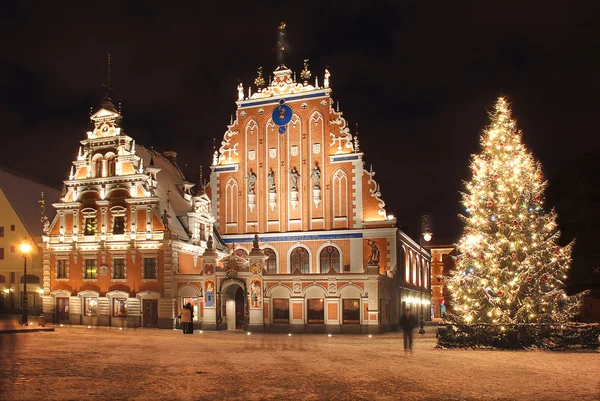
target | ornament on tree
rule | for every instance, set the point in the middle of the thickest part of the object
(529, 279)
(501, 222)
(514, 255)
(545, 278)
(500, 293)
(490, 204)
(515, 223)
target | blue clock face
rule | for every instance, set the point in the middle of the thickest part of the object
(282, 114)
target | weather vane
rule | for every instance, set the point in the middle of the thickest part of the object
(281, 43)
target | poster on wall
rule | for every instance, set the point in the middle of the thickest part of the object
(256, 292)
(209, 292)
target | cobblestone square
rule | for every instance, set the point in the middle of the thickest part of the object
(77, 363)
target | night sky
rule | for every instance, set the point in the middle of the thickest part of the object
(418, 77)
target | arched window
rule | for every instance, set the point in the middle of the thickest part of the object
(110, 159)
(271, 260)
(299, 259)
(330, 258)
(241, 252)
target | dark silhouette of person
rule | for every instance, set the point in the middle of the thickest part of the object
(407, 324)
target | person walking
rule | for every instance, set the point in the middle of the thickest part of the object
(185, 318)
(407, 323)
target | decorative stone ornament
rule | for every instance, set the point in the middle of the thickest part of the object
(103, 270)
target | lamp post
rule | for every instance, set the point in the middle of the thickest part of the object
(25, 249)
(426, 235)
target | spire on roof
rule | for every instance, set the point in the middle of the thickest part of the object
(107, 103)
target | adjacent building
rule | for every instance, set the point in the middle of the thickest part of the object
(290, 233)
(20, 221)
(440, 268)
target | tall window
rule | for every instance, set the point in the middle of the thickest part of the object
(118, 268)
(1, 231)
(12, 227)
(150, 268)
(61, 269)
(119, 225)
(281, 310)
(90, 271)
(299, 259)
(330, 259)
(271, 261)
(315, 310)
(1, 253)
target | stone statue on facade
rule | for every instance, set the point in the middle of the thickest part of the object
(165, 219)
(375, 254)
(251, 182)
(209, 243)
(326, 78)
(294, 176)
(271, 180)
(240, 89)
(316, 176)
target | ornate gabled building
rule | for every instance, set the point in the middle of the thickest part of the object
(128, 221)
(290, 234)
(290, 171)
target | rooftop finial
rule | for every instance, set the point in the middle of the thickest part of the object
(107, 104)
(281, 43)
(305, 73)
(201, 177)
(259, 81)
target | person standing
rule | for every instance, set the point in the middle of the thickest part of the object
(407, 323)
(185, 318)
(191, 322)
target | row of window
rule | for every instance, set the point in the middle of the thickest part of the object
(119, 309)
(12, 228)
(119, 271)
(90, 226)
(329, 258)
(315, 309)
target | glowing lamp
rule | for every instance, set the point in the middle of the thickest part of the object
(427, 236)
(25, 248)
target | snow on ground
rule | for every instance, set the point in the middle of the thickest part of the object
(77, 363)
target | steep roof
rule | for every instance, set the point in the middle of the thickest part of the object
(24, 195)
(170, 178)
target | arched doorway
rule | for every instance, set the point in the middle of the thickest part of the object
(233, 306)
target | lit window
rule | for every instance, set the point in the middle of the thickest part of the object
(330, 259)
(281, 310)
(89, 226)
(150, 268)
(299, 259)
(12, 227)
(91, 306)
(90, 271)
(315, 310)
(119, 307)
(351, 311)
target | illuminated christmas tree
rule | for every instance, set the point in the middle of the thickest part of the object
(509, 268)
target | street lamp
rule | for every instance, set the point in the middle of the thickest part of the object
(426, 235)
(25, 248)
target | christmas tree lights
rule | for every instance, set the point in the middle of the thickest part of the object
(509, 268)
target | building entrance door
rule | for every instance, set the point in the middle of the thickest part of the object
(62, 310)
(150, 313)
(239, 308)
